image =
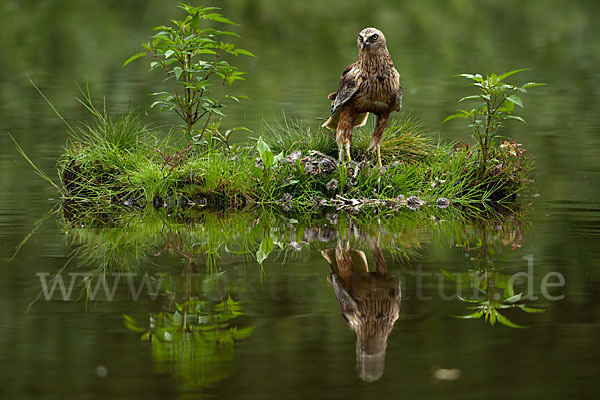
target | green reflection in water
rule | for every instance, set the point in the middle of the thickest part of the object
(493, 290)
(196, 340)
(195, 336)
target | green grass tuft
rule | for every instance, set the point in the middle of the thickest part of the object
(404, 140)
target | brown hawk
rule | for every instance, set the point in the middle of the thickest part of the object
(370, 85)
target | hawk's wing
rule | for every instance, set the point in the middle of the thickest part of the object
(347, 88)
(398, 103)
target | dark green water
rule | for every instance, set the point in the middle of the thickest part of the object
(298, 344)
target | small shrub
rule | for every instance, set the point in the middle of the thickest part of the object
(497, 100)
(192, 58)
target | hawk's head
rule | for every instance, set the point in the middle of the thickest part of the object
(370, 40)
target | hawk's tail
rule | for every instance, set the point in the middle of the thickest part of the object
(332, 122)
(372, 144)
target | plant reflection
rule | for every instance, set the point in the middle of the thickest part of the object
(369, 302)
(494, 290)
(195, 339)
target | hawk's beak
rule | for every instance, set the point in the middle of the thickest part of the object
(363, 44)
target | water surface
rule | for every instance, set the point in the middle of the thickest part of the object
(296, 342)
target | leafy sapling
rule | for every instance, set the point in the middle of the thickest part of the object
(193, 57)
(497, 100)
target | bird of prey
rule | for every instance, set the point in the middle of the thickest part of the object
(370, 85)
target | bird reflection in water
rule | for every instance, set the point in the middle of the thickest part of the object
(369, 302)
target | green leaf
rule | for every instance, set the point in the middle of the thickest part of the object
(493, 315)
(132, 324)
(448, 274)
(532, 84)
(267, 158)
(478, 108)
(261, 146)
(476, 77)
(475, 315)
(164, 105)
(477, 96)
(468, 300)
(217, 111)
(217, 32)
(177, 71)
(515, 117)
(266, 247)
(177, 317)
(231, 79)
(513, 98)
(278, 158)
(134, 57)
(205, 51)
(219, 18)
(462, 114)
(530, 309)
(243, 52)
(506, 322)
(162, 28)
(291, 182)
(509, 73)
(257, 172)
(195, 22)
(508, 107)
(509, 290)
(169, 53)
(244, 333)
(514, 298)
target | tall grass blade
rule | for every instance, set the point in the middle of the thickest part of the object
(41, 173)
(50, 104)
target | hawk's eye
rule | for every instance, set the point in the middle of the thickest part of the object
(374, 37)
(360, 39)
